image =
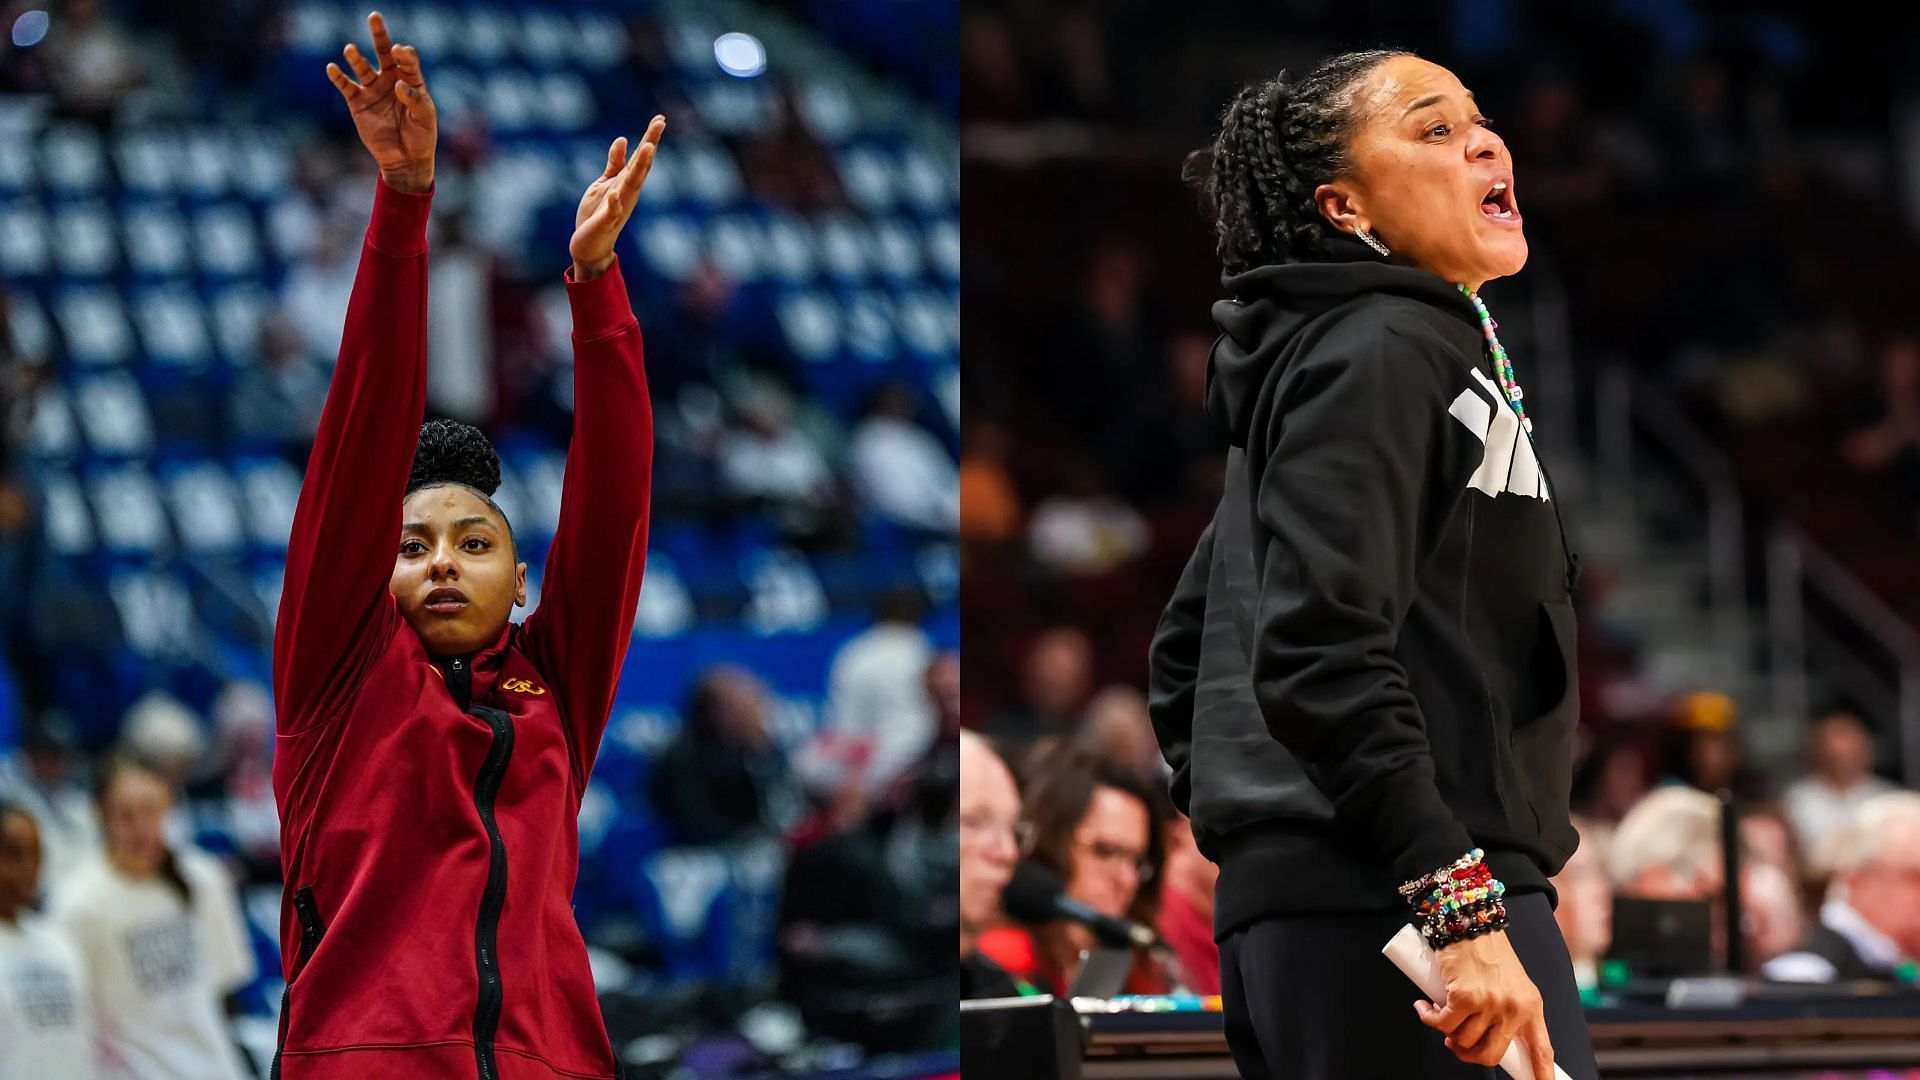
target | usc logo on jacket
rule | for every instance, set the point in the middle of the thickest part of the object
(521, 686)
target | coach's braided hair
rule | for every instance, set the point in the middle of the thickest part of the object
(450, 452)
(1279, 140)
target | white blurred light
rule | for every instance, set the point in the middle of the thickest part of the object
(740, 55)
(29, 28)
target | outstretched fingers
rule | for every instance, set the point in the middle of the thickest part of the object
(616, 157)
(362, 69)
(641, 162)
(406, 60)
(347, 87)
(382, 41)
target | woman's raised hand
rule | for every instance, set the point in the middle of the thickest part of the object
(608, 202)
(391, 108)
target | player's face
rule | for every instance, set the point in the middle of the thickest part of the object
(1424, 173)
(454, 575)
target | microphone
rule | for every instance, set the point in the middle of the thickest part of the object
(1035, 895)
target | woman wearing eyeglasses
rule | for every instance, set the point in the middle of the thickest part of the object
(1102, 832)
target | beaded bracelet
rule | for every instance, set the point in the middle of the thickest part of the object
(1464, 925)
(1458, 867)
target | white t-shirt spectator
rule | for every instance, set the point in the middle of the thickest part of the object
(159, 968)
(1819, 811)
(877, 698)
(907, 474)
(46, 1019)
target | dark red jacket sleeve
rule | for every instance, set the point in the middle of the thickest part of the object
(578, 636)
(335, 610)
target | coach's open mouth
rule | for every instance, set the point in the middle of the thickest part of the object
(1498, 205)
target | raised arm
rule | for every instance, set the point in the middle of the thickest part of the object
(335, 611)
(578, 636)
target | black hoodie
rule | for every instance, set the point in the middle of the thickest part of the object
(1368, 665)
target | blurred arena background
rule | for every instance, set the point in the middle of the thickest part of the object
(768, 840)
(1717, 335)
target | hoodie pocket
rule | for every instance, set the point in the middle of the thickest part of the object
(311, 931)
(1543, 745)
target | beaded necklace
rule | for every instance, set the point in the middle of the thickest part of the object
(1502, 367)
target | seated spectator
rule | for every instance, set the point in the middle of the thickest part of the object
(880, 718)
(44, 776)
(278, 399)
(724, 778)
(46, 1018)
(160, 932)
(991, 834)
(869, 914)
(767, 461)
(1054, 682)
(1585, 908)
(1668, 848)
(1870, 923)
(1101, 831)
(1186, 910)
(1116, 727)
(1839, 781)
(1704, 748)
(901, 469)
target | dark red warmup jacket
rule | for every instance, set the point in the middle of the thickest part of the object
(428, 804)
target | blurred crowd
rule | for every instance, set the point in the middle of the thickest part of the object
(1829, 856)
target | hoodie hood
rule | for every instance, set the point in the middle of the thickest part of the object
(1271, 305)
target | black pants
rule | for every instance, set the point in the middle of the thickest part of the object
(1311, 998)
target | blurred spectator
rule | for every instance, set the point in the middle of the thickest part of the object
(1566, 167)
(785, 163)
(1102, 832)
(1086, 529)
(943, 691)
(990, 507)
(93, 62)
(46, 1018)
(1839, 780)
(44, 776)
(160, 931)
(723, 778)
(1055, 680)
(279, 397)
(1668, 847)
(904, 472)
(880, 719)
(237, 777)
(1611, 780)
(1869, 926)
(165, 736)
(1887, 436)
(1585, 908)
(1704, 748)
(1116, 727)
(317, 286)
(767, 461)
(993, 836)
(869, 916)
(1186, 910)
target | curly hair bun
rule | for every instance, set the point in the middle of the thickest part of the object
(451, 452)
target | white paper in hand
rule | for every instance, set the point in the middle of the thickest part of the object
(1409, 952)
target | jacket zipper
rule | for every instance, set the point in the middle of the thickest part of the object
(486, 1013)
(310, 934)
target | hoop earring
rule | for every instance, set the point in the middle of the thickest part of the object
(1372, 241)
